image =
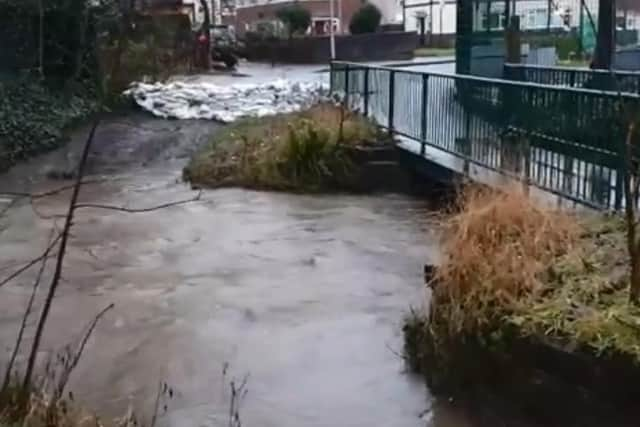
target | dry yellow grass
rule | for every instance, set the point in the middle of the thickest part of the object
(497, 247)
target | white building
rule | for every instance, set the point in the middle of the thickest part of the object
(440, 15)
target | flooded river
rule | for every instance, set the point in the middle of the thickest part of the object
(305, 295)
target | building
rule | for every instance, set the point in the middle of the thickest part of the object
(221, 11)
(257, 15)
(440, 15)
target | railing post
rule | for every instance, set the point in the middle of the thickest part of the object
(572, 79)
(620, 173)
(346, 85)
(332, 83)
(392, 98)
(468, 149)
(366, 92)
(423, 117)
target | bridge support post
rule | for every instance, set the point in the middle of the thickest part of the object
(392, 99)
(423, 114)
(525, 158)
(366, 92)
(346, 86)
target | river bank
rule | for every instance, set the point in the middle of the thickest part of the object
(531, 306)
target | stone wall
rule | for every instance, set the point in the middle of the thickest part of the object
(316, 50)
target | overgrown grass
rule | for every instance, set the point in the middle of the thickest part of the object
(307, 151)
(496, 248)
(515, 271)
(430, 52)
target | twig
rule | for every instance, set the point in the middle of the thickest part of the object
(64, 379)
(401, 356)
(140, 210)
(9, 206)
(156, 406)
(31, 263)
(636, 328)
(23, 325)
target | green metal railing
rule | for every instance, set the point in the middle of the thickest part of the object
(567, 141)
(614, 80)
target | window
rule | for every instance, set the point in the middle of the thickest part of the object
(536, 19)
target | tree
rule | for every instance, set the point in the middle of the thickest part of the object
(365, 20)
(631, 182)
(206, 29)
(295, 17)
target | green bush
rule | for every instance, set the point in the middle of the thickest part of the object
(365, 20)
(303, 151)
(565, 45)
(295, 17)
(32, 117)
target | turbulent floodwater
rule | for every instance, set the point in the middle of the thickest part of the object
(303, 294)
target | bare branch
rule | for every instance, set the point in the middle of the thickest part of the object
(31, 263)
(140, 210)
(59, 262)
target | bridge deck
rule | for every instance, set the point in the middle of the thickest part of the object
(564, 141)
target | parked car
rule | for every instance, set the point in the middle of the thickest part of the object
(224, 45)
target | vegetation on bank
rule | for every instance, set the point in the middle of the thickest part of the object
(33, 117)
(518, 281)
(78, 60)
(309, 151)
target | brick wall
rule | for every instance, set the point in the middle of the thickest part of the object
(317, 8)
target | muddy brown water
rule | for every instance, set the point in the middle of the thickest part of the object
(304, 294)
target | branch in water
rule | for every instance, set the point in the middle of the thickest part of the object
(140, 210)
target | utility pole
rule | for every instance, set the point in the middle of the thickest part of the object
(332, 36)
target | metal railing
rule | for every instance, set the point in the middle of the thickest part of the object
(614, 80)
(566, 141)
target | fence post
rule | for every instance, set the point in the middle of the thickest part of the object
(423, 117)
(620, 172)
(346, 85)
(366, 92)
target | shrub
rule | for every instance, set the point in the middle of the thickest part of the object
(295, 17)
(365, 20)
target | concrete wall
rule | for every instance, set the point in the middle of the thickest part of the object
(432, 13)
(316, 50)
